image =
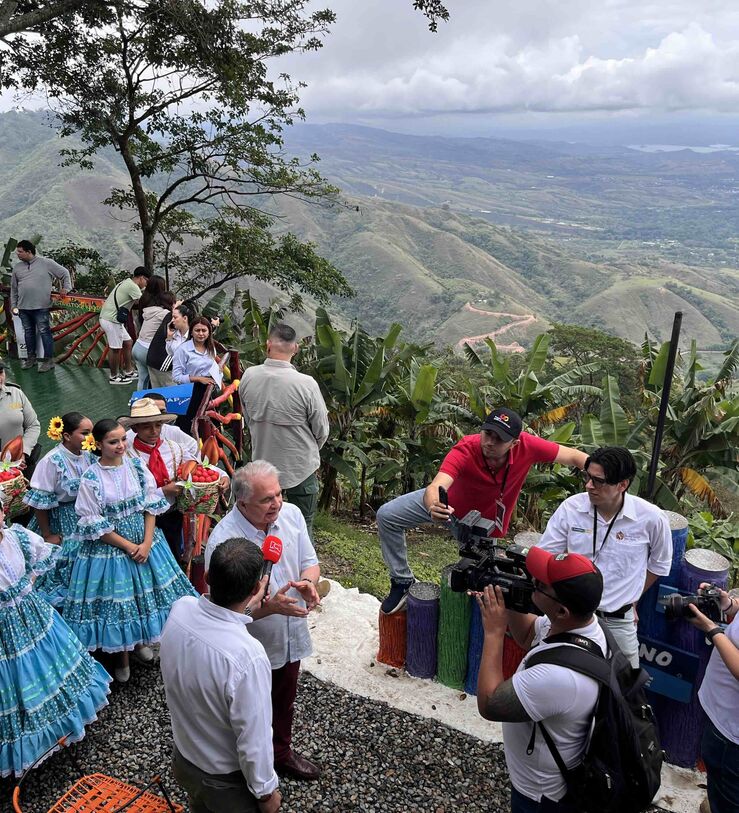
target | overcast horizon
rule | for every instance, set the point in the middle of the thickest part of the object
(609, 71)
(614, 70)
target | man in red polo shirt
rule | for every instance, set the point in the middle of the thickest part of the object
(485, 472)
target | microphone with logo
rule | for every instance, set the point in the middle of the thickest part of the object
(271, 550)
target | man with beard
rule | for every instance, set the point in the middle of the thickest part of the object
(484, 472)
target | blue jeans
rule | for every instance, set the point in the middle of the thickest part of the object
(722, 770)
(139, 353)
(522, 804)
(393, 518)
(37, 320)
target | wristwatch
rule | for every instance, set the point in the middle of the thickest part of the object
(712, 633)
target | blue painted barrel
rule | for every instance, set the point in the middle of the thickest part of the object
(652, 623)
(681, 724)
(474, 650)
(423, 624)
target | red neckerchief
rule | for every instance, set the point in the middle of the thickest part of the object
(157, 465)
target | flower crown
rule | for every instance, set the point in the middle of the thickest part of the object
(56, 429)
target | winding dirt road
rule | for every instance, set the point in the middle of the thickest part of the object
(517, 320)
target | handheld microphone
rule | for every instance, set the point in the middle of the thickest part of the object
(272, 551)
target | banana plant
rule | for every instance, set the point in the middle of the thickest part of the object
(525, 393)
(354, 372)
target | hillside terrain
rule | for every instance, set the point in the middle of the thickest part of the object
(459, 238)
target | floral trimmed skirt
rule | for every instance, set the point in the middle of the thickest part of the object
(53, 584)
(114, 603)
(50, 687)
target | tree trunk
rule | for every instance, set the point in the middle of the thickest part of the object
(148, 229)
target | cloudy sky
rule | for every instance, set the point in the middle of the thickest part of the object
(545, 61)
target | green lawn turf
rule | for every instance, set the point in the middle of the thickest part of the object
(351, 554)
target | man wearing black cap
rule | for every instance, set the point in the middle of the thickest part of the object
(568, 590)
(484, 472)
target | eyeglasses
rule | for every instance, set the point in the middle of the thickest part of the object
(537, 588)
(598, 482)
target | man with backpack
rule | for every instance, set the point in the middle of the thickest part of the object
(578, 734)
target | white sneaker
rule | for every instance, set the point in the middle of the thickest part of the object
(129, 375)
(116, 379)
(143, 653)
(122, 674)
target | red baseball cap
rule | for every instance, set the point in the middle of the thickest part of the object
(576, 581)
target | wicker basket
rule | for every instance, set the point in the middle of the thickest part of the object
(12, 496)
(201, 498)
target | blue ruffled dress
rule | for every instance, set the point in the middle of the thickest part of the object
(49, 685)
(114, 603)
(54, 487)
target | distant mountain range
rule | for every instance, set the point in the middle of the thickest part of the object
(460, 238)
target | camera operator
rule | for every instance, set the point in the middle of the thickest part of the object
(627, 537)
(719, 696)
(568, 589)
(485, 471)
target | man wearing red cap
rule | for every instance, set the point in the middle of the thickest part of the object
(484, 472)
(568, 591)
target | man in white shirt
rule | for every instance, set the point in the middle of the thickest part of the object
(568, 590)
(627, 537)
(280, 623)
(217, 682)
(287, 420)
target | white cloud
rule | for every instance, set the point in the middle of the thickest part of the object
(534, 55)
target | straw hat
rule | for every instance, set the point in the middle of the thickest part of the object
(145, 411)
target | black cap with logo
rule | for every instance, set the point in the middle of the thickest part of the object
(505, 423)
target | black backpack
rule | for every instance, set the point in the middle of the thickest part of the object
(620, 769)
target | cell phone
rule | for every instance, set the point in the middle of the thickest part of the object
(443, 497)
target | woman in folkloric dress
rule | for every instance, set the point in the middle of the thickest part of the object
(125, 579)
(53, 491)
(50, 687)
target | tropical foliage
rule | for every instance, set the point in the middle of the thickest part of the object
(396, 408)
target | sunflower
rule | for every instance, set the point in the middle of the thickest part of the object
(56, 427)
(89, 444)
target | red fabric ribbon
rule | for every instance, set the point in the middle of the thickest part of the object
(157, 466)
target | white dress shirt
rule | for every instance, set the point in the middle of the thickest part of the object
(640, 540)
(285, 638)
(218, 685)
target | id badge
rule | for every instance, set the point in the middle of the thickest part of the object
(499, 515)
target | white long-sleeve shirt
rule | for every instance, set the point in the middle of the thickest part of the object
(218, 682)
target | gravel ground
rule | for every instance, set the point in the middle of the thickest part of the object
(375, 759)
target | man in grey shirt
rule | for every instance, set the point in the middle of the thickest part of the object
(30, 299)
(287, 420)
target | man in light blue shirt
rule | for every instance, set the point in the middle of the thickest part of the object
(280, 624)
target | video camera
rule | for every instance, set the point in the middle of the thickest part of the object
(707, 600)
(483, 562)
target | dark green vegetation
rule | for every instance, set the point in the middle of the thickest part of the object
(396, 408)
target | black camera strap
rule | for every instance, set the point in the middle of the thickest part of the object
(610, 526)
(505, 478)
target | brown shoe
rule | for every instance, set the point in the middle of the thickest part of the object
(298, 768)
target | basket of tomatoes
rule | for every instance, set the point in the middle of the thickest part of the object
(200, 487)
(12, 482)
